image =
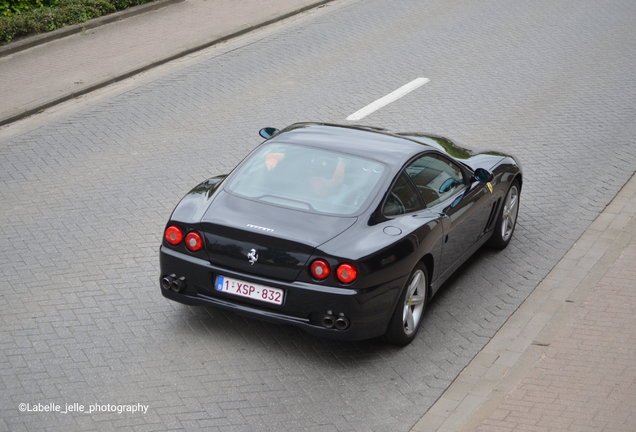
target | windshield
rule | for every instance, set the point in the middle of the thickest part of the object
(307, 178)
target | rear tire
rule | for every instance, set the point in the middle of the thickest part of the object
(409, 311)
(507, 219)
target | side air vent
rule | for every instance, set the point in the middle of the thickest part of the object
(493, 215)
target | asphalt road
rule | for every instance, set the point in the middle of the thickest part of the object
(85, 197)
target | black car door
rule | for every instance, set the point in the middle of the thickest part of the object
(445, 189)
(409, 214)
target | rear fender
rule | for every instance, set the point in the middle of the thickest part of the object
(193, 206)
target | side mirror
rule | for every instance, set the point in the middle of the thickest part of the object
(448, 185)
(267, 132)
(483, 175)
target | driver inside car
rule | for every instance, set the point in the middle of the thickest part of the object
(323, 187)
(326, 187)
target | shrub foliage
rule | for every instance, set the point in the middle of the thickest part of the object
(25, 17)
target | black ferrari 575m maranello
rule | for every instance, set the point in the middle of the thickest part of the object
(345, 232)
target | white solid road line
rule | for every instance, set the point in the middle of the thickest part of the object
(391, 97)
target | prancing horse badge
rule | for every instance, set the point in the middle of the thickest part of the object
(252, 256)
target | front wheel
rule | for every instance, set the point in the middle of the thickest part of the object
(408, 313)
(507, 219)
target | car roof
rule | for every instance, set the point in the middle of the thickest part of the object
(366, 142)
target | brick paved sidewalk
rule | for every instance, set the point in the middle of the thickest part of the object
(566, 359)
(586, 379)
(58, 70)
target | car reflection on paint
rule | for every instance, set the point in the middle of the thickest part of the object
(345, 232)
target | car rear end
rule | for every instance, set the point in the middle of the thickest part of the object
(253, 243)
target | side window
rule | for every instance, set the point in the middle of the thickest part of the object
(403, 198)
(436, 178)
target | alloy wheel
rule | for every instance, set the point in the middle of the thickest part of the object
(509, 214)
(414, 302)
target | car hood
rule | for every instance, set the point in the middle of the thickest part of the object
(283, 239)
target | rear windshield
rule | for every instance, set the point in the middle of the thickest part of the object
(307, 178)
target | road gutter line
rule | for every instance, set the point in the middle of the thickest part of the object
(391, 97)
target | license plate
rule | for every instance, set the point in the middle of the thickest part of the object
(249, 290)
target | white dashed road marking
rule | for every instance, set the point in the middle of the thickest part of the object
(391, 97)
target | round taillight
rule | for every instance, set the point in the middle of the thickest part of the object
(346, 273)
(193, 241)
(174, 235)
(320, 269)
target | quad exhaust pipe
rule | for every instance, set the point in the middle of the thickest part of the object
(173, 283)
(328, 321)
(167, 280)
(340, 322)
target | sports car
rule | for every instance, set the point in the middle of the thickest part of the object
(343, 231)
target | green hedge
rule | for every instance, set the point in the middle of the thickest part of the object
(25, 17)
(12, 7)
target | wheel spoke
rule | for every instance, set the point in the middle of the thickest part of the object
(513, 208)
(417, 300)
(513, 202)
(512, 218)
(414, 282)
(409, 323)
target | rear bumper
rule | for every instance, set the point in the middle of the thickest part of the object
(305, 305)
